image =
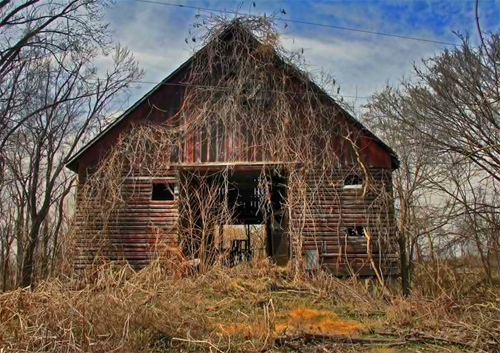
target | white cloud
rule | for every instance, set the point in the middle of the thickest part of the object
(361, 67)
(361, 63)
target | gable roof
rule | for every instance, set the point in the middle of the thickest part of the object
(72, 163)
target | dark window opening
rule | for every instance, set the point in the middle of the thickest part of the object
(356, 231)
(162, 192)
(353, 180)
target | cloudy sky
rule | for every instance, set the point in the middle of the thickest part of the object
(362, 63)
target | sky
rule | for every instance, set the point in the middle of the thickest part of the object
(361, 63)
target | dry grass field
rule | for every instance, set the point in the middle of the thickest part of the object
(253, 307)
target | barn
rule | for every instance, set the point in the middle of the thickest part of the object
(238, 138)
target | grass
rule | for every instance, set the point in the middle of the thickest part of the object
(244, 309)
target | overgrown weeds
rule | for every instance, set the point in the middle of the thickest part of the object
(245, 308)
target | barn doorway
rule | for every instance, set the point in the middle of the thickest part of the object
(238, 214)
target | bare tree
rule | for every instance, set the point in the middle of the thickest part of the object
(455, 103)
(53, 96)
(450, 112)
(39, 30)
(476, 227)
(419, 212)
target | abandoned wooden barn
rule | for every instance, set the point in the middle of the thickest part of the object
(318, 188)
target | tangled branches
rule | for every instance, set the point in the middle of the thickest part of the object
(248, 138)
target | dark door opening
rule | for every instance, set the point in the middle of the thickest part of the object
(241, 215)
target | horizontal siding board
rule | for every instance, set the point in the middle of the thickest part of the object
(134, 230)
(330, 209)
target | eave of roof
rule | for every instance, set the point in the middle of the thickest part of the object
(71, 164)
(356, 122)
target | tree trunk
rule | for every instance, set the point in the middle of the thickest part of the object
(484, 258)
(402, 242)
(20, 243)
(405, 268)
(5, 266)
(27, 273)
(45, 258)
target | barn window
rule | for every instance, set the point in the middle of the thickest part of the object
(162, 192)
(254, 95)
(353, 181)
(356, 231)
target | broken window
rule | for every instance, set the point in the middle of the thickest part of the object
(162, 192)
(353, 181)
(355, 231)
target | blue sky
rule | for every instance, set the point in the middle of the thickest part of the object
(361, 63)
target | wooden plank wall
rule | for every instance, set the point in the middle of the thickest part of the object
(217, 144)
(133, 231)
(331, 209)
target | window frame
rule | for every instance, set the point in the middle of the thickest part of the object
(351, 186)
(170, 185)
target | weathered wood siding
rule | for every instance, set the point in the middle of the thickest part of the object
(134, 230)
(140, 223)
(215, 143)
(330, 209)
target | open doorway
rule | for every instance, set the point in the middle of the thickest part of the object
(240, 215)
